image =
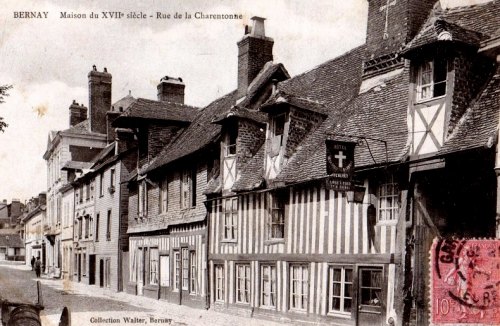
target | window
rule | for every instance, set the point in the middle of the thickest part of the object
(242, 283)
(431, 81)
(232, 135)
(97, 227)
(101, 185)
(153, 266)
(84, 263)
(165, 271)
(87, 226)
(185, 269)
(388, 201)
(277, 218)
(188, 188)
(192, 274)
(112, 178)
(371, 287)
(143, 199)
(164, 196)
(108, 226)
(81, 194)
(230, 218)
(80, 228)
(219, 282)
(299, 287)
(107, 268)
(177, 275)
(268, 286)
(340, 289)
(87, 191)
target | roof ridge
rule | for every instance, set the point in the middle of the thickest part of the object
(169, 102)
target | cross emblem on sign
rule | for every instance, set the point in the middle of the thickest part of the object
(386, 8)
(341, 157)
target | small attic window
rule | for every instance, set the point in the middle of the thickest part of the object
(279, 125)
(232, 135)
(431, 82)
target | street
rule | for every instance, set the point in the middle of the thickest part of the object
(91, 305)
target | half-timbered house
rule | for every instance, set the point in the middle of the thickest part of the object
(167, 213)
(418, 103)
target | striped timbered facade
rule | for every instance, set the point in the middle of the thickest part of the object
(323, 234)
(171, 266)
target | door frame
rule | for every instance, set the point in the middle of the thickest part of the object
(358, 307)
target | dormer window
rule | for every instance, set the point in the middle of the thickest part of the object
(431, 80)
(278, 127)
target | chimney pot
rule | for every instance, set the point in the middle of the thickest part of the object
(94, 68)
(171, 90)
(258, 29)
(105, 69)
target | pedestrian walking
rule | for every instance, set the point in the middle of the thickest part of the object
(33, 263)
(38, 266)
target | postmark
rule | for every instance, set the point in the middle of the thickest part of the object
(465, 281)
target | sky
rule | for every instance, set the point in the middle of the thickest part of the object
(47, 60)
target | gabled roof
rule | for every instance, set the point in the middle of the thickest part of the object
(438, 30)
(142, 109)
(240, 112)
(123, 103)
(282, 97)
(199, 134)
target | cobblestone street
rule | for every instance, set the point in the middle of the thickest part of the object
(90, 305)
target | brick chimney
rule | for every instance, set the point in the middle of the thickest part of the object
(99, 99)
(171, 90)
(392, 23)
(77, 113)
(254, 50)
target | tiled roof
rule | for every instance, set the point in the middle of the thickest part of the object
(335, 81)
(199, 134)
(156, 110)
(252, 175)
(483, 18)
(76, 165)
(82, 128)
(373, 119)
(480, 121)
(11, 241)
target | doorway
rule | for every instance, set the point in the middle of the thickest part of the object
(370, 296)
(101, 273)
(92, 269)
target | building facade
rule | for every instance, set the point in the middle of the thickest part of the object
(31, 220)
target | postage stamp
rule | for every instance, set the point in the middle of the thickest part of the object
(465, 282)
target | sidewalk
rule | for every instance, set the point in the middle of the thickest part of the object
(149, 311)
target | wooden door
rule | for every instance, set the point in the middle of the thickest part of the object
(371, 298)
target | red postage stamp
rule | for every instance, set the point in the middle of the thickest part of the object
(465, 282)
